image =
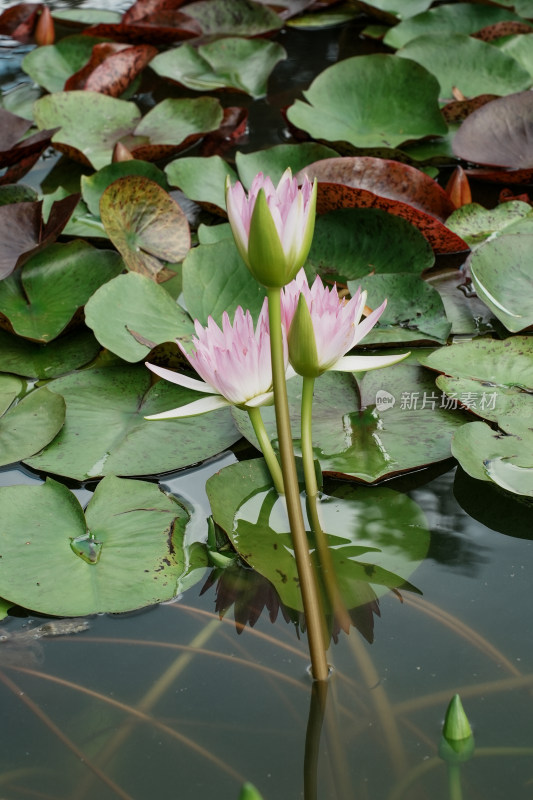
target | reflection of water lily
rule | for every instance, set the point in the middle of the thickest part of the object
(323, 327)
(234, 363)
(272, 226)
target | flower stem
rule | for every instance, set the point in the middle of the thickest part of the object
(308, 582)
(267, 449)
(307, 437)
(454, 782)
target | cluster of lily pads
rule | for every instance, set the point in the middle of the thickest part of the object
(118, 256)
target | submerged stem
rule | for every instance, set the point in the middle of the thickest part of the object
(308, 583)
(266, 448)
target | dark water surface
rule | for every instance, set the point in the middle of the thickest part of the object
(170, 702)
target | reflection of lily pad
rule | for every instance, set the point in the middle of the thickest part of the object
(105, 431)
(140, 532)
(370, 101)
(390, 421)
(243, 64)
(378, 536)
(472, 66)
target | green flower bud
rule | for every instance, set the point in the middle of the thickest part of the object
(303, 354)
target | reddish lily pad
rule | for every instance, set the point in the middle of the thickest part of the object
(240, 17)
(145, 224)
(499, 134)
(17, 151)
(232, 129)
(111, 68)
(23, 231)
(364, 182)
(19, 21)
(52, 65)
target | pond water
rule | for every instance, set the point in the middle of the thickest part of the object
(174, 702)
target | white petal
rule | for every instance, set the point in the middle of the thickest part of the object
(192, 409)
(181, 380)
(365, 363)
(265, 399)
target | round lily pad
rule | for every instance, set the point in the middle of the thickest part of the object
(30, 425)
(274, 160)
(202, 179)
(126, 552)
(35, 360)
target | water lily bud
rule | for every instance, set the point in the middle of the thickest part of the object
(44, 30)
(249, 792)
(121, 153)
(457, 742)
(458, 188)
(272, 226)
(303, 354)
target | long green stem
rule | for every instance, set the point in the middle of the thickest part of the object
(267, 449)
(308, 582)
(454, 782)
(307, 437)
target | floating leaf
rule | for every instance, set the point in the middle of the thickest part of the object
(370, 101)
(145, 224)
(472, 66)
(10, 388)
(112, 68)
(387, 422)
(105, 432)
(502, 273)
(234, 63)
(445, 20)
(30, 425)
(93, 186)
(392, 10)
(274, 160)
(216, 279)
(499, 133)
(201, 179)
(492, 378)
(474, 223)
(467, 314)
(141, 531)
(51, 66)
(411, 303)
(133, 306)
(363, 182)
(242, 17)
(24, 232)
(34, 360)
(352, 242)
(41, 299)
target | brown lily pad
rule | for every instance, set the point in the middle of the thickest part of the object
(458, 110)
(111, 68)
(23, 231)
(19, 21)
(365, 182)
(499, 134)
(16, 152)
(504, 28)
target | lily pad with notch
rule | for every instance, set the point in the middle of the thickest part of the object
(30, 425)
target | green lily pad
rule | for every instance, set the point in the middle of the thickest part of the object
(493, 379)
(274, 160)
(384, 534)
(470, 65)
(232, 63)
(50, 66)
(216, 279)
(132, 308)
(370, 101)
(5, 605)
(17, 193)
(389, 421)
(506, 459)
(520, 48)
(30, 425)
(467, 314)
(241, 18)
(10, 388)
(350, 243)
(34, 360)
(211, 234)
(105, 432)
(126, 552)
(447, 19)
(474, 223)
(392, 10)
(502, 274)
(411, 303)
(86, 16)
(93, 186)
(201, 179)
(41, 299)
(145, 224)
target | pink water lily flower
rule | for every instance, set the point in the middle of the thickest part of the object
(326, 327)
(272, 226)
(234, 363)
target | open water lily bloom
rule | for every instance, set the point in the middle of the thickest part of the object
(233, 361)
(326, 327)
(272, 226)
